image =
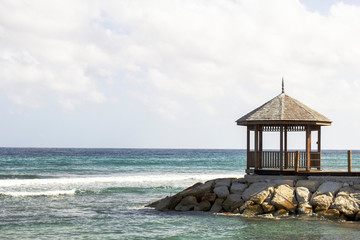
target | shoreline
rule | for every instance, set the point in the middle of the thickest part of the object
(333, 198)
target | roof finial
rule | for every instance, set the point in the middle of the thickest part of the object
(283, 90)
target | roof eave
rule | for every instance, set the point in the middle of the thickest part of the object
(281, 122)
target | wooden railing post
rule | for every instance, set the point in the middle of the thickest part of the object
(349, 161)
(297, 160)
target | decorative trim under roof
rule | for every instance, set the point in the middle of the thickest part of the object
(281, 110)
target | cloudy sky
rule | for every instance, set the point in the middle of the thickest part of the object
(172, 73)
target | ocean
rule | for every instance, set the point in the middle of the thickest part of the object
(100, 194)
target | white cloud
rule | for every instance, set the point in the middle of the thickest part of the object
(179, 56)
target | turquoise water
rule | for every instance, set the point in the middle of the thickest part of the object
(100, 194)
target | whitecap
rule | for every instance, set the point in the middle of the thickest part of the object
(43, 193)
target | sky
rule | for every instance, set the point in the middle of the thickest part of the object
(173, 73)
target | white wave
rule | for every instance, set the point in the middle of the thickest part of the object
(44, 193)
(138, 180)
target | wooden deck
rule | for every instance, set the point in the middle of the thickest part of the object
(302, 173)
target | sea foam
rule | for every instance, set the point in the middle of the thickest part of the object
(44, 193)
(138, 180)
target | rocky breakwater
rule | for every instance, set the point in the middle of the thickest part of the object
(268, 197)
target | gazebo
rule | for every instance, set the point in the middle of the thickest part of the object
(283, 114)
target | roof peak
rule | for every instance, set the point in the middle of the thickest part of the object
(284, 108)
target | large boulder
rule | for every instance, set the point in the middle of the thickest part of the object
(210, 197)
(346, 204)
(186, 204)
(217, 206)
(324, 196)
(279, 182)
(357, 217)
(267, 207)
(281, 213)
(258, 192)
(253, 210)
(311, 185)
(331, 214)
(232, 202)
(203, 206)
(329, 187)
(239, 180)
(221, 191)
(238, 188)
(198, 190)
(305, 209)
(321, 202)
(223, 182)
(168, 203)
(302, 195)
(245, 206)
(284, 198)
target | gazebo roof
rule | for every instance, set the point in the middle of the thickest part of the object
(283, 109)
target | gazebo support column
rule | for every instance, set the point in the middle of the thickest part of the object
(256, 147)
(319, 148)
(281, 147)
(285, 148)
(308, 147)
(260, 147)
(248, 147)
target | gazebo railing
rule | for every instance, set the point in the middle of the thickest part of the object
(272, 160)
(341, 161)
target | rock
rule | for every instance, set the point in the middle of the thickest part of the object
(281, 213)
(331, 214)
(321, 202)
(238, 180)
(311, 185)
(270, 196)
(198, 190)
(163, 204)
(236, 211)
(284, 198)
(232, 202)
(346, 204)
(168, 203)
(332, 187)
(238, 188)
(203, 206)
(267, 207)
(153, 204)
(356, 186)
(355, 194)
(253, 210)
(217, 206)
(279, 182)
(191, 187)
(223, 182)
(210, 197)
(357, 216)
(222, 191)
(267, 215)
(302, 195)
(305, 209)
(186, 204)
(245, 205)
(257, 192)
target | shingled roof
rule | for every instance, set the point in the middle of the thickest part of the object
(283, 108)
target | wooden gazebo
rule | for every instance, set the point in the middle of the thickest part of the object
(283, 114)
